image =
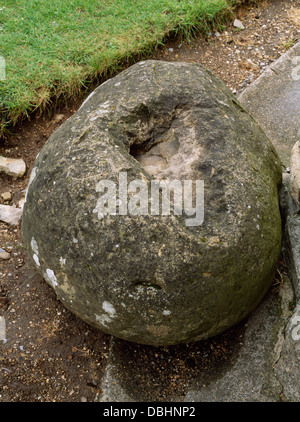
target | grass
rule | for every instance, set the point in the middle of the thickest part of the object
(289, 43)
(54, 50)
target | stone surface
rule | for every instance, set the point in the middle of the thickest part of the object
(149, 278)
(238, 24)
(274, 102)
(12, 166)
(251, 375)
(249, 370)
(112, 388)
(6, 196)
(295, 172)
(287, 368)
(4, 254)
(10, 215)
(291, 230)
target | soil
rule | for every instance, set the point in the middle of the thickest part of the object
(51, 355)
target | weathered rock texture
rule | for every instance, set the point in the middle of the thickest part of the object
(145, 278)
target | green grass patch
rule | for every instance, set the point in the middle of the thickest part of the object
(55, 49)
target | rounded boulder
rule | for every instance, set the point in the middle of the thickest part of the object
(153, 211)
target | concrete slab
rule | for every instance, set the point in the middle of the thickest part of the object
(291, 234)
(252, 378)
(111, 386)
(235, 366)
(287, 367)
(274, 102)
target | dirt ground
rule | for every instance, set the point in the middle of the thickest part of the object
(51, 355)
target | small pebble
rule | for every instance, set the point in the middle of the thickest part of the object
(4, 255)
(238, 24)
(6, 196)
(12, 167)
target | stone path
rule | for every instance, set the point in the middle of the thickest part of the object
(266, 363)
(274, 102)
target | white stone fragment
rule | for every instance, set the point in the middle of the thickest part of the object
(2, 328)
(4, 255)
(15, 167)
(10, 215)
(238, 24)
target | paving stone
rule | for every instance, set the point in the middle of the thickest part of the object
(274, 102)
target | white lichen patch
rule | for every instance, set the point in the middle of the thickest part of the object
(106, 318)
(51, 278)
(35, 250)
(62, 261)
(34, 246)
(103, 319)
(36, 260)
(108, 307)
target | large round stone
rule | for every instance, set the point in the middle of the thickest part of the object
(109, 253)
